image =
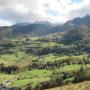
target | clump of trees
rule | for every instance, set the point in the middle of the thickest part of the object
(9, 69)
(82, 74)
(76, 49)
(58, 63)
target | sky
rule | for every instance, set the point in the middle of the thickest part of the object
(54, 11)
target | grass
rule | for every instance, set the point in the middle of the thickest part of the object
(5, 77)
(32, 77)
(24, 82)
(10, 59)
(27, 77)
(35, 74)
(52, 57)
(70, 68)
(20, 83)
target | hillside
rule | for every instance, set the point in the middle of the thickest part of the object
(77, 35)
(5, 32)
(79, 86)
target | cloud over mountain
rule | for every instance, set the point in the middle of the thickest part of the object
(16, 11)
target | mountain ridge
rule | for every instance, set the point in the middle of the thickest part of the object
(44, 28)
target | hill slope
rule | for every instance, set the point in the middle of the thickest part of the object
(76, 35)
(79, 86)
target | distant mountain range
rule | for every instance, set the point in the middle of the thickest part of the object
(43, 28)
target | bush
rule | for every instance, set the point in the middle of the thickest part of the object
(82, 75)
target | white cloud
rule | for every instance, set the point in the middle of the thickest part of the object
(42, 10)
(4, 23)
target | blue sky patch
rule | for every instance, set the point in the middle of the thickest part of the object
(76, 1)
(51, 12)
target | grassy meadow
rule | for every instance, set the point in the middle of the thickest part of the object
(35, 60)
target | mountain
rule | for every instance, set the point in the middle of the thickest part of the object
(74, 23)
(34, 29)
(43, 28)
(77, 29)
